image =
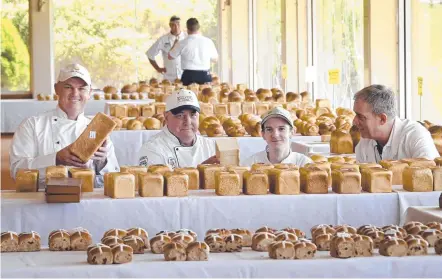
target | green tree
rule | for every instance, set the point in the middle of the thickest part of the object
(14, 59)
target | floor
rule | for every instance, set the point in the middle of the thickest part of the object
(6, 180)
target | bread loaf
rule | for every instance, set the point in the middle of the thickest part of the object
(262, 108)
(261, 241)
(240, 171)
(346, 181)
(56, 171)
(59, 240)
(157, 243)
(161, 169)
(206, 108)
(120, 110)
(122, 253)
(183, 239)
(160, 108)
(284, 181)
(227, 183)
(304, 250)
(122, 186)
(342, 247)
(193, 174)
(227, 152)
(233, 243)
(419, 162)
(348, 166)
(142, 233)
(363, 245)
(92, 137)
(417, 179)
(336, 159)
(197, 251)
(26, 180)
(99, 254)
(133, 111)
(314, 180)
(9, 242)
(438, 161)
(437, 178)
(135, 242)
(431, 236)
(417, 247)
(29, 242)
(376, 180)
(176, 184)
(341, 142)
(148, 110)
(248, 107)
(87, 177)
(323, 166)
(255, 182)
(282, 250)
(318, 158)
(261, 167)
(207, 175)
(80, 240)
(393, 247)
(151, 184)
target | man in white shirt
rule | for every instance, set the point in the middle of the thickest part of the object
(172, 68)
(42, 141)
(196, 52)
(383, 135)
(178, 145)
(277, 130)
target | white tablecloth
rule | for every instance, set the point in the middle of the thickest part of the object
(424, 214)
(407, 199)
(310, 147)
(128, 143)
(233, 265)
(200, 211)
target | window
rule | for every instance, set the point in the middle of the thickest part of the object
(338, 44)
(15, 63)
(110, 38)
(426, 59)
(268, 57)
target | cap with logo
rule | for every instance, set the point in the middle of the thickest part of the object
(182, 99)
(74, 70)
(280, 113)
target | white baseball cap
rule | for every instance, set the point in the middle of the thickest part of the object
(280, 113)
(182, 99)
(74, 70)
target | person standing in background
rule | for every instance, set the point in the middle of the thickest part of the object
(196, 53)
(172, 68)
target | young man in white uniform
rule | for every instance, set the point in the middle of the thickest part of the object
(383, 135)
(42, 141)
(178, 145)
(196, 53)
(277, 130)
(172, 68)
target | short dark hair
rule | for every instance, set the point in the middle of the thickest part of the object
(174, 18)
(192, 24)
(380, 97)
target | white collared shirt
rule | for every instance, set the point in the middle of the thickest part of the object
(262, 157)
(165, 149)
(408, 139)
(163, 45)
(196, 52)
(38, 139)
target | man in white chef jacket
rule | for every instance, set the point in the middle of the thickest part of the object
(42, 141)
(384, 136)
(172, 68)
(178, 145)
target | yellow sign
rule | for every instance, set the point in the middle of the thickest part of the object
(420, 80)
(334, 76)
(284, 71)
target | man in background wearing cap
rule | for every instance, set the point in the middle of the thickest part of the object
(196, 52)
(42, 141)
(178, 145)
(277, 130)
(172, 68)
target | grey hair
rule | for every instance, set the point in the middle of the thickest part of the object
(380, 97)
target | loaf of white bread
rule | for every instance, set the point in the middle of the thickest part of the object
(26, 180)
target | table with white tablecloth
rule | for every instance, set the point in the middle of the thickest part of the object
(424, 214)
(407, 199)
(247, 263)
(128, 143)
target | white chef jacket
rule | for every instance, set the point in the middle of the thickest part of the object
(408, 139)
(164, 148)
(164, 44)
(195, 51)
(39, 138)
(293, 158)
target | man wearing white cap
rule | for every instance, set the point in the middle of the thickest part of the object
(42, 141)
(277, 130)
(178, 145)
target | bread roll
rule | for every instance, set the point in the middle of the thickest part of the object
(342, 247)
(216, 243)
(261, 241)
(80, 240)
(120, 233)
(417, 179)
(417, 247)
(183, 239)
(59, 240)
(9, 242)
(365, 228)
(246, 236)
(122, 253)
(416, 229)
(393, 247)
(323, 241)
(206, 122)
(438, 161)
(323, 229)
(99, 254)
(135, 242)
(158, 168)
(233, 243)
(282, 250)
(376, 236)
(304, 250)
(314, 180)
(410, 236)
(262, 94)
(152, 124)
(29, 242)
(438, 247)
(363, 245)
(344, 123)
(111, 240)
(157, 243)
(431, 236)
(197, 251)
(434, 225)
(134, 124)
(266, 229)
(256, 182)
(142, 233)
(215, 130)
(285, 236)
(174, 252)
